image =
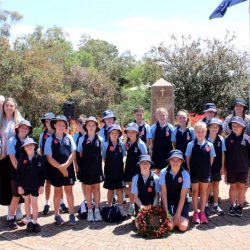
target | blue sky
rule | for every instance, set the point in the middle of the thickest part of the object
(134, 25)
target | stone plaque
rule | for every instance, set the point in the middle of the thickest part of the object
(162, 96)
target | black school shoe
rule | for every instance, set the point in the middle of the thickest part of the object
(45, 210)
(30, 227)
(12, 224)
(63, 208)
(239, 211)
(36, 228)
(231, 210)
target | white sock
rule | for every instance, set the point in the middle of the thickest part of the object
(215, 204)
(97, 209)
(34, 221)
(207, 205)
(8, 212)
(61, 201)
(10, 217)
(19, 208)
(47, 202)
(28, 219)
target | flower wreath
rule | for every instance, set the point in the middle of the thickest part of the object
(152, 222)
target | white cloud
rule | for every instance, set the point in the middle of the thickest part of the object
(139, 34)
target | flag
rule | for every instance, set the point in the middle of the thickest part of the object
(222, 8)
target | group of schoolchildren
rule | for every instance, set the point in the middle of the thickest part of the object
(186, 162)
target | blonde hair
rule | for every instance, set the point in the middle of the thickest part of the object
(162, 110)
(201, 125)
(3, 115)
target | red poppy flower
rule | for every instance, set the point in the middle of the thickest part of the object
(25, 161)
(142, 132)
(232, 141)
(179, 180)
(150, 189)
(167, 134)
(88, 141)
(45, 136)
(207, 148)
(56, 141)
(127, 146)
(111, 148)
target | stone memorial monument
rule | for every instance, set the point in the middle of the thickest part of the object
(162, 96)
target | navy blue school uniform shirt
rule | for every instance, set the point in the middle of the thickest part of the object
(144, 132)
(14, 145)
(42, 140)
(219, 147)
(237, 158)
(90, 167)
(103, 133)
(146, 188)
(174, 183)
(60, 149)
(200, 156)
(30, 172)
(182, 137)
(113, 156)
(162, 144)
(133, 154)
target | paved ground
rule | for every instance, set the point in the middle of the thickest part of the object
(221, 233)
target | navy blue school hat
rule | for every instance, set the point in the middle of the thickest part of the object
(145, 158)
(91, 119)
(132, 127)
(59, 118)
(240, 101)
(24, 122)
(48, 116)
(115, 127)
(28, 141)
(238, 120)
(108, 114)
(210, 107)
(175, 153)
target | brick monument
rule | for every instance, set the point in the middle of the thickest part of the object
(162, 95)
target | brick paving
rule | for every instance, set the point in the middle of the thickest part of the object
(223, 232)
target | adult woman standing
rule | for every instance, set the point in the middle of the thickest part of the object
(239, 109)
(8, 121)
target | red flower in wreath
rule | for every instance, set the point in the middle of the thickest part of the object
(25, 161)
(56, 141)
(150, 189)
(112, 148)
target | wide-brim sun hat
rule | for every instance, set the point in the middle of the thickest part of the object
(91, 119)
(24, 122)
(240, 101)
(59, 118)
(238, 120)
(115, 127)
(210, 107)
(175, 153)
(108, 114)
(48, 116)
(145, 158)
(28, 141)
(132, 127)
(215, 121)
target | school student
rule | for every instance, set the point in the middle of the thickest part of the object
(108, 118)
(183, 133)
(135, 148)
(114, 152)
(210, 112)
(9, 119)
(175, 184)
(161, 139)
(145, 185)
(214, 130)
(80, 132)
(144, 128)
(14, 151)
(200, 155)
(60, 152)
(237, 164)
(48, 132)
(30, 181)
(90, 168)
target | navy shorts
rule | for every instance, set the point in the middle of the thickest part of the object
(31, 192)
(195, 179)
(215, 177)
(185, 210)
(233, 178)
(14, 189)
